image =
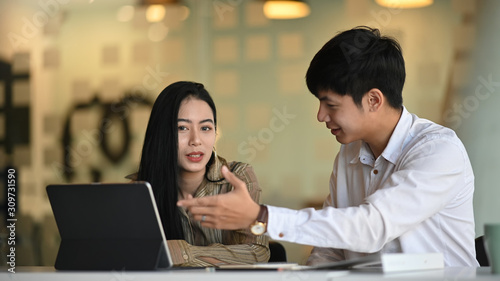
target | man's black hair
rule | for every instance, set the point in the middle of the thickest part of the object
(356, 61)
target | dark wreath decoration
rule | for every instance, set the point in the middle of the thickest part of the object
(111, 112)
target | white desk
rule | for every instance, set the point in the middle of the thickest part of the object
(48, 273)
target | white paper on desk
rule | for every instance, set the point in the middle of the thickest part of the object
(359, 262)
(271, 265)
(407, 262)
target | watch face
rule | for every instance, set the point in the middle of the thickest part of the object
(258, 228)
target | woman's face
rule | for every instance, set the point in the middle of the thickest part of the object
(196, 130)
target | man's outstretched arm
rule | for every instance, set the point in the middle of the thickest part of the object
(232, 210)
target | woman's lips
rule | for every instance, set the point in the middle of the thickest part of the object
(195, 156)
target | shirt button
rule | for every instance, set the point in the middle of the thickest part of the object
(281, 235)
(375, 172)
(185, 257)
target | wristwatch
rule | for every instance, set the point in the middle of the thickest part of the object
(259, 226)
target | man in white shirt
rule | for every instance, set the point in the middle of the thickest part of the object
(399, 183)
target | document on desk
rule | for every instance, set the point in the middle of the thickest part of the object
(259, 266)
(365, 261)
(339, 265)
(390, 262)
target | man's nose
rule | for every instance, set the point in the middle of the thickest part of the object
(323, 114)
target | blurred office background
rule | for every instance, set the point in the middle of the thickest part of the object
(78, 78)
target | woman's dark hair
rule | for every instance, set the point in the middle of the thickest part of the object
(159, 163)
(357, 60)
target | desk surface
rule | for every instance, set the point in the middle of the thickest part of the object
(48, 273)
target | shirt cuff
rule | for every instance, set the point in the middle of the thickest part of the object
(179, 250)
(281, 223)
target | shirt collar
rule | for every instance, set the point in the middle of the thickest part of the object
(213, 178)
(395, 145)
(214, 171)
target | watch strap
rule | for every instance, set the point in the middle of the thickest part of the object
(263, 214)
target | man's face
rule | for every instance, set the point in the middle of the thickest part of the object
(346, 121)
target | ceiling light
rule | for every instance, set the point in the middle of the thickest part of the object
(155, 13)
(404, 4)
(157, 10)
(286, 9)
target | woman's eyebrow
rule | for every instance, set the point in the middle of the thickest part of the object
(189, 121)
(207, 120)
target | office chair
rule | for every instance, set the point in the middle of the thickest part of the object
(278, 252)
(481, 256)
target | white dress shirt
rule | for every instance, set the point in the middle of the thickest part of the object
(416, 197)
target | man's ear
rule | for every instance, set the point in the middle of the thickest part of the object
(375, 99)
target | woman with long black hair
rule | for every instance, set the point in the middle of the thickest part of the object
(179, 160)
